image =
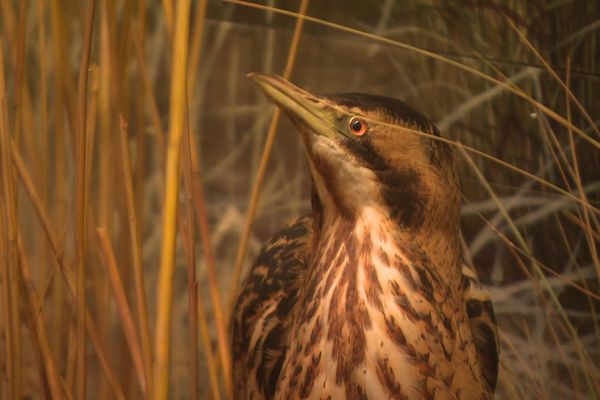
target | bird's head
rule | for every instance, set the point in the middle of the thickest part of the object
(370, 151)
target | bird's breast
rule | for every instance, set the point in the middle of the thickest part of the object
(374, 320)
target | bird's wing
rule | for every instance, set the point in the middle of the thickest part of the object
(259, 325)
(483, 325)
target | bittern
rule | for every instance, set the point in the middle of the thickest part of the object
(368, 296)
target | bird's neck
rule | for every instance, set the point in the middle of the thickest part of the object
(375, 306)
(371, 234)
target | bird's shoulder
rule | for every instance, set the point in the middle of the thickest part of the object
(483, 324)
(259, 328)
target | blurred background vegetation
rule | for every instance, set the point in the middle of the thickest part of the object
(517, 83)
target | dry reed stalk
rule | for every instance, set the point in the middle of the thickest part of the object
(264, 161)
(8, 16)
(565, 325)
(590, 300)
(538, 272)
(154, 112)
(524, 364)
(215, 292)
(577, 221)
(567, 281)
(213, 374)
(588, 230)
(37, 322)
(189, 241)
(64, 85)
(201, 319)
(80, 202)
(58, 196)
(65, 272)
(44, 136)
(136, 252)
(167, 262)
(105, 189)
(196, 45)
(17, 59)
(19, 68)
(110, 264)
(590, 370)
(570, 95)
(168, 10)
(197, 197)
(71, 360)
(213, 283)
(23, 119)
(10, 252)
(113, 381)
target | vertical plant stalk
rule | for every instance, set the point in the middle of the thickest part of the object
(32, 305)
(9, 247)
(104, 189)
(45, 139)
(80, 203)
(197, 197)
(136, 251)
(168, 10)
(208, 351)
(64, 82)
(65, 272)
(19, 37)
(19, 54)
(215, 293)
(189, 241)
(58, 196)
(108, 256)
(196, 45)
(201, 319)
(167, 262)
(264, 161)
(152, 104)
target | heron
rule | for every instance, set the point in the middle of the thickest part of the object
(368, 296)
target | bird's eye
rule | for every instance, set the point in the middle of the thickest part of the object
(358, 126)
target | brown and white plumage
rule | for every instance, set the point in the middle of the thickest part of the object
(367, 297)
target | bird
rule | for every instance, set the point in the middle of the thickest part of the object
(368, 296)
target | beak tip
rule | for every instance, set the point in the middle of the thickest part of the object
(265, 81)
(257, 76)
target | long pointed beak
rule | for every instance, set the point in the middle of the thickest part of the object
(301, 105)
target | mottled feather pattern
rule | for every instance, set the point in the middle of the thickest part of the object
(261, 332)
(267, 296)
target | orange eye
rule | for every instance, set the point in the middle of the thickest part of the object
(358, 126)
